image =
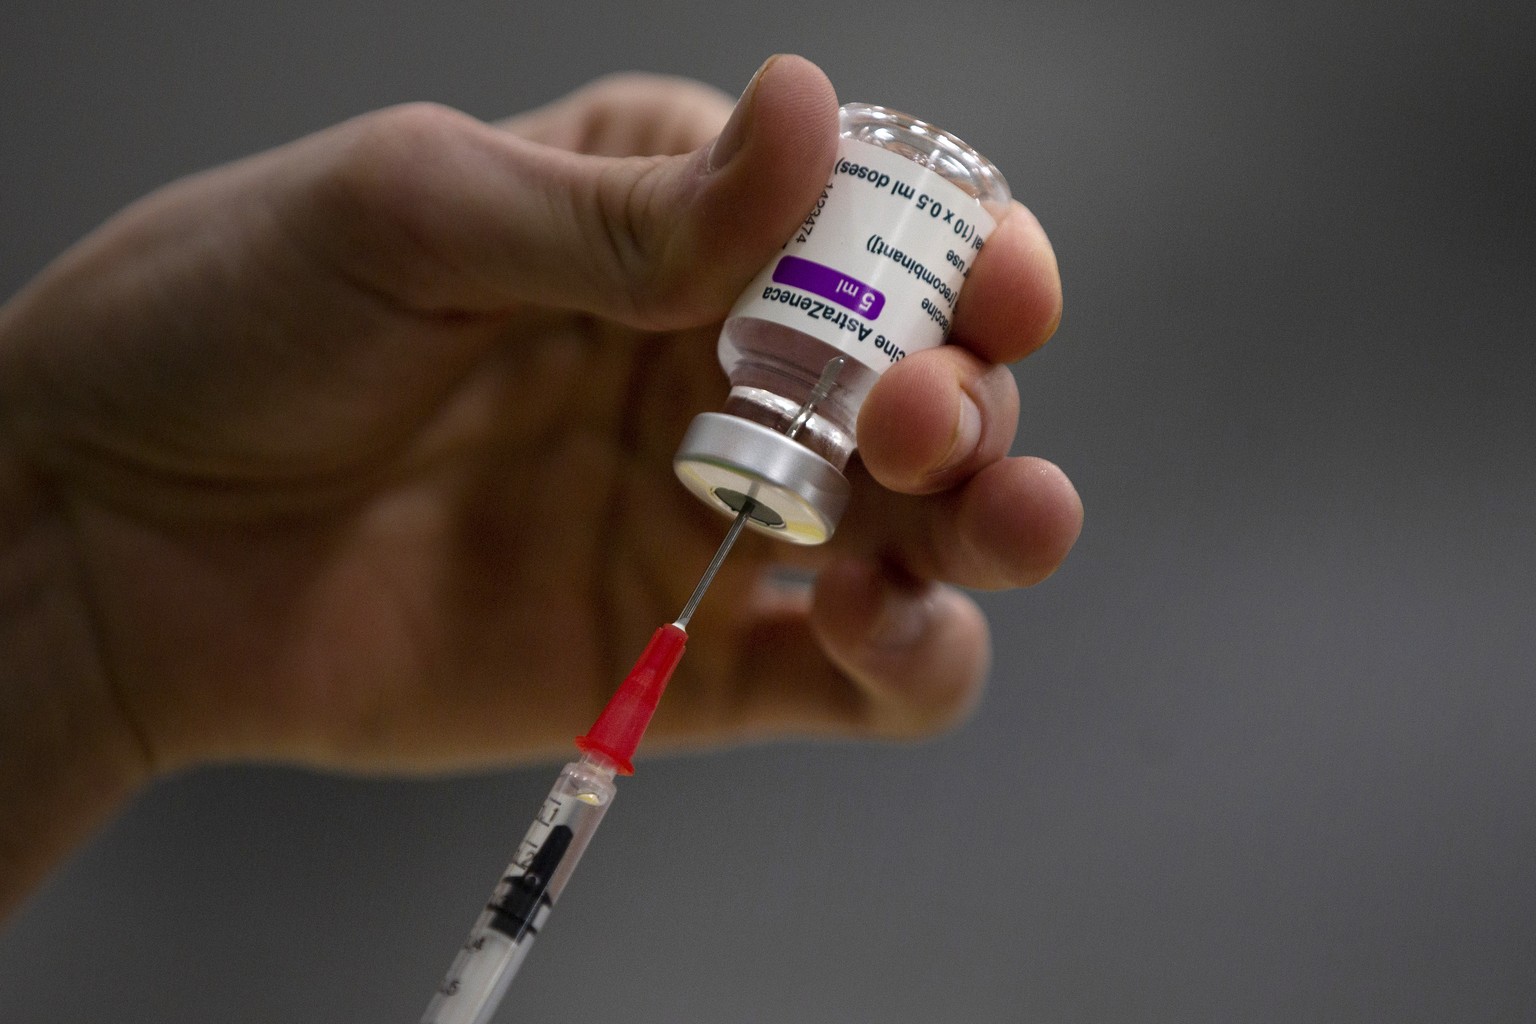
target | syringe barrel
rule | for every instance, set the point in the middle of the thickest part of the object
(521, 903)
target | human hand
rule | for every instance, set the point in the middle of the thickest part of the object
(357, 452)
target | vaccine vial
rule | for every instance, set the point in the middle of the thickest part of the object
(871, 275)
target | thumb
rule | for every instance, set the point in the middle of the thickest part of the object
(443, 212)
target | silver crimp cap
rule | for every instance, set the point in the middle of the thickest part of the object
(798, 496)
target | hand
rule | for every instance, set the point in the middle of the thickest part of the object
(357, 452)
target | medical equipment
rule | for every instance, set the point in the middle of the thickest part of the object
(872, 274)
(583, 792)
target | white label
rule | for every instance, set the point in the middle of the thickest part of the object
(877, 265)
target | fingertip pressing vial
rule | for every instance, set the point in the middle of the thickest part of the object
(871, 275)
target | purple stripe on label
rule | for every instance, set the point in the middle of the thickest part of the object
(833, 285)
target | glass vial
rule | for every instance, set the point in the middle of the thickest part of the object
(872, 274)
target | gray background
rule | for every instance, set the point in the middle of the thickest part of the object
(1265, 749)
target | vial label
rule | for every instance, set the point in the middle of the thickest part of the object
(877, 265)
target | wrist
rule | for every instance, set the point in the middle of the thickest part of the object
(69, 757)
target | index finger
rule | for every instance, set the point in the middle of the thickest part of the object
(629, 114)
(1012, 299)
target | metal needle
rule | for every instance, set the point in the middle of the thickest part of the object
(748, 505)
(737, 525)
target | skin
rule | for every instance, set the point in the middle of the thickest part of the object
(357, 453)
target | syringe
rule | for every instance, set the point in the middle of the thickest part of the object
(505, 930)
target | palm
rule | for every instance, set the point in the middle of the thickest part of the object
(472, 587)
(441, 543)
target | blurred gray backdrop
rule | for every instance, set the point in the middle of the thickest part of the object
(1264, 750)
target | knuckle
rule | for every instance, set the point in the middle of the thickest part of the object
(639, 227)
(639, 114)
(616, 231)
(382, 163)
(630, 93)
(379, 193)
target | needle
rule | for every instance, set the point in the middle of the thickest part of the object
(520, 905)
(748, 506)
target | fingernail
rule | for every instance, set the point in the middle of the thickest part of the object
(734, 134)
(967, 434)
(903, 619)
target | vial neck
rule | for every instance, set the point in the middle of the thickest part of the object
(821, 432)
